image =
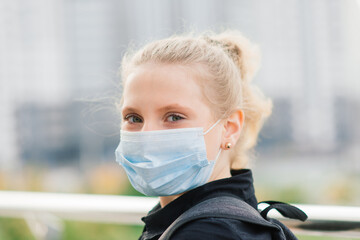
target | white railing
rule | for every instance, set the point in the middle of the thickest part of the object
(44, 212)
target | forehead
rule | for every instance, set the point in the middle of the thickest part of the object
(162, 84)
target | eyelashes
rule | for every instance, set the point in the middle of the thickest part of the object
(174, 117)
(133, 118)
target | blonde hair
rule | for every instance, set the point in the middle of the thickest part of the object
(226, 63)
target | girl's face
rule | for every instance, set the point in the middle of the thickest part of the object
(168, 96)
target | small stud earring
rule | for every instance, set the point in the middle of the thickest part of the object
(228, 145)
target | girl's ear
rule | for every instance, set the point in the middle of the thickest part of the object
(233, 127)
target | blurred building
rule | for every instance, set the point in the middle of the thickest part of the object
(31, 64)
(55, 135)
(55, 54)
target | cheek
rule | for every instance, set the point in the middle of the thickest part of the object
(213, 143)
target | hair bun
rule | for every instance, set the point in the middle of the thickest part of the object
(245, 54)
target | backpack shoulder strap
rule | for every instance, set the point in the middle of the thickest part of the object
(220, 207)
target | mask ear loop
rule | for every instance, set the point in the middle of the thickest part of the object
(218, 154)
(212, 127)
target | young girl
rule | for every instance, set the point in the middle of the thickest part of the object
(190, 117)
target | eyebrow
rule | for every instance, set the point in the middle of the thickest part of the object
(128, 109)
(174, 106)
(161, 109)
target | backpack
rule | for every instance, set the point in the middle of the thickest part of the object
(234, 208)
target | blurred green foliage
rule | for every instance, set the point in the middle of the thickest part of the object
(290, 194)
(14, 229)
(95, 231)
(17, 229)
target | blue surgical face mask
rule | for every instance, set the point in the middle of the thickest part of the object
(165, 162)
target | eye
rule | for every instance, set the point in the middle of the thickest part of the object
(133, 118)
(174, 118)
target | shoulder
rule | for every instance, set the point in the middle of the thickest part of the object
(214, 228)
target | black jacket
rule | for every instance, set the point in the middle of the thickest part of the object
(240, 185)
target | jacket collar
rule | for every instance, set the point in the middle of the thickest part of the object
(240, 185)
